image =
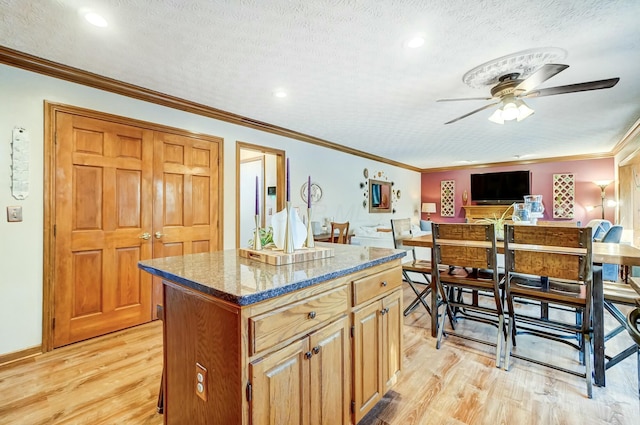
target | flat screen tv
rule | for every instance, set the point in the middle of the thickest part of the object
(500, 188)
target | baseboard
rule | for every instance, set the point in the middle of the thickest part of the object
(15, 356)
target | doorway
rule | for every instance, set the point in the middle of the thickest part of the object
(267, 165)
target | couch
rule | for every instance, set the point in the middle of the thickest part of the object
(380, 235)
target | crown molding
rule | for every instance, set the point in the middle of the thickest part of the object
(521, 162)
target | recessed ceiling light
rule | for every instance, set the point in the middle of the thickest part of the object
(95, 19)
(415, 42)
(280, 93)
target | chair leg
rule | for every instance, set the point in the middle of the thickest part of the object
(441, 326)
(587, 364)
(509, 341)
(499, 340)
(512, 321)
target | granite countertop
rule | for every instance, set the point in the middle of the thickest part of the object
(244, 281)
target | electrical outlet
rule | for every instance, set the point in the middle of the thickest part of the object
(201, 381)
(14, 214)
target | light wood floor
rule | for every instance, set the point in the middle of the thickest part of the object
(114, 380)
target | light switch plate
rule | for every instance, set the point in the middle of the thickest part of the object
(14, 214)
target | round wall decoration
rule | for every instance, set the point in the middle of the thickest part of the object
(316, 192)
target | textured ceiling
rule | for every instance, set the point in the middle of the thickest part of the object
(349, 77)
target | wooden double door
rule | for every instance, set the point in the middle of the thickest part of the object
(123, 193)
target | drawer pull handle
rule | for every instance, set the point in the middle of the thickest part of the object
(316, 349)
(312, 315)
(307, 355)
(384, 283)
(384, 311)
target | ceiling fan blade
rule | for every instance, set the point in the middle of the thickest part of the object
(473, 112)
(464, 98)
(571, 88)
(540, 76)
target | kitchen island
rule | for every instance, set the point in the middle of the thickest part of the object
(245, 342)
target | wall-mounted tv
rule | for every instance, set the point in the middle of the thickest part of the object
(500, 188)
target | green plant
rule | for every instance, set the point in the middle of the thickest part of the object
(266, 237)
(498, 221)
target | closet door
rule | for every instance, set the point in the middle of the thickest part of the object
(185, 200)
(103, 197)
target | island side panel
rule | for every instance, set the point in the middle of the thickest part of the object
(198, 330)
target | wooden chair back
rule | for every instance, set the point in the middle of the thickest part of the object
(555, 252)
(343, 231)
(465, 245)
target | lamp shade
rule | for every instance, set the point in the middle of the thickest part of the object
(428, 207)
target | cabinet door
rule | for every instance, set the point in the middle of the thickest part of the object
(280, 382)
(392, 338)
(331, 374)
(367, 358)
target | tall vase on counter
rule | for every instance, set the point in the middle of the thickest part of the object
(310, 241)
(288, 232)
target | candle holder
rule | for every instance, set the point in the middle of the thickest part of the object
(310, 241)
(257, 244)
(288, 232)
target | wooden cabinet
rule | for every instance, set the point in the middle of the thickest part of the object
(305, 357)
(309, 380)
(377, 338)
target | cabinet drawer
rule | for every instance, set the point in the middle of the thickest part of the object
(286, 322)
(377, 284)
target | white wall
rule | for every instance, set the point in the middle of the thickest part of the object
(22, 96)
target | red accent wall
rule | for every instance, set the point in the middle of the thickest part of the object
(587, 193)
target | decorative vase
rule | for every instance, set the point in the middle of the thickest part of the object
(310, 241)
(257, 244)
(288, 233)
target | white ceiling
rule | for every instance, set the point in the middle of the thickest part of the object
(349, 77)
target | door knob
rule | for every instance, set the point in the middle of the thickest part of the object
(146, 236)
(159, 235)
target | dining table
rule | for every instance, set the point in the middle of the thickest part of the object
(609, 253)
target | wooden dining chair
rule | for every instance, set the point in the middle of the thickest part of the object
(550, 264)
(342, 233)
(469, 280)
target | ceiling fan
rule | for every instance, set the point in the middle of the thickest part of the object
(511, 89)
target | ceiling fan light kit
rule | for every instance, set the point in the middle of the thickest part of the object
(515, 77)
(512, 109)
